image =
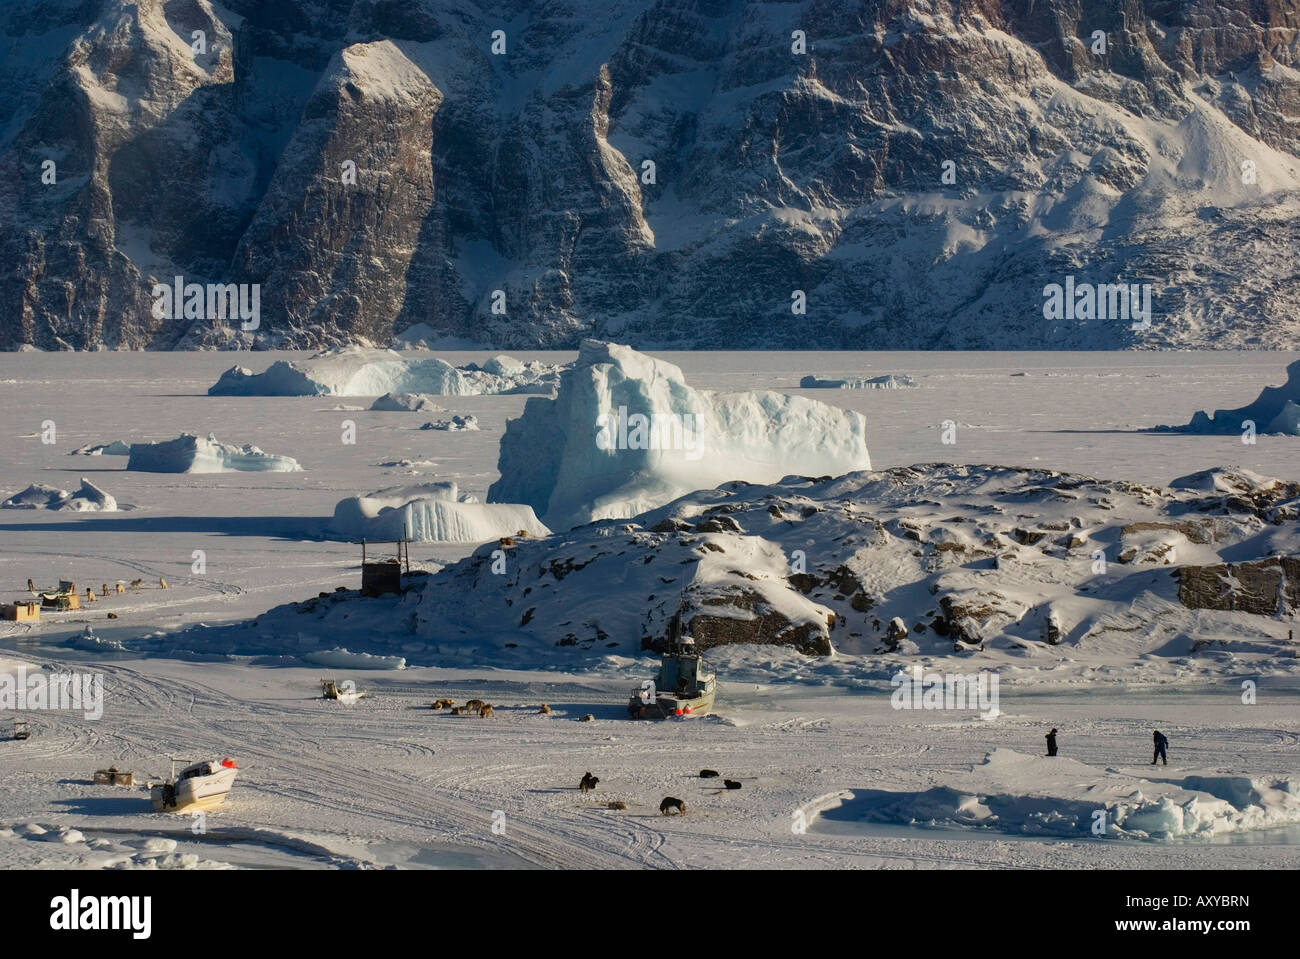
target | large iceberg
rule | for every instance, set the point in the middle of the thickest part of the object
(626, 434)
(430, 512)
(192, 454)
(356, 371)
(89, 498)
(1276, 410)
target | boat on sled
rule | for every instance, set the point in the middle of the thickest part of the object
(682, 687)
(345, 692)
(199, 786)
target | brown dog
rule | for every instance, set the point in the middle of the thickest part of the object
(588, 782)
(670, 803)
(485, 712)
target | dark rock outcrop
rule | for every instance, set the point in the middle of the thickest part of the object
(1264, 587)
(676, 172)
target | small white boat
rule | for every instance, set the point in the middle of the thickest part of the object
(201, 785)
(343, 693)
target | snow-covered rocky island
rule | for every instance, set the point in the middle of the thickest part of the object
(1035, 571)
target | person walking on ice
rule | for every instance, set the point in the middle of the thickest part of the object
(1051, 743)
(1162, 747)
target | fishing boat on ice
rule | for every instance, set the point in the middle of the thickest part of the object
(344, 692)
(200, 785)
(682, 687)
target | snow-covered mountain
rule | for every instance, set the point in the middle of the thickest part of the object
(672, 173)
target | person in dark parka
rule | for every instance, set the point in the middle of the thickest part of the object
(1051, 743)
(1162, 746)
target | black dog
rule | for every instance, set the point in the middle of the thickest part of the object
(708, 773)
(669, 803)
(588, 782)
(731, 784)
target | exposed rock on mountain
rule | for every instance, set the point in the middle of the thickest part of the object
(725, 173)
(1264, 587)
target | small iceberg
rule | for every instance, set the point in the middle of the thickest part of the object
(356, 371)
(189, 453)
(468, 422)
(430, 512)
(405, 403)
(889, 381)
(115, 448)
(87, 499)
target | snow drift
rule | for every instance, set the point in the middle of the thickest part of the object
(340, 658)
(626, 434)
(1275, 410)
(88, 498)
(429, 512)
(1036, 795)
(355, 371)
(191, 454)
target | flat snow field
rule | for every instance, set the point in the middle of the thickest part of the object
(832, 777)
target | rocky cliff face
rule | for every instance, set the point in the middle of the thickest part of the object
(673, 173)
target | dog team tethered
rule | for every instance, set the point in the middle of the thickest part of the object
(681, 688)
(200, 786)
